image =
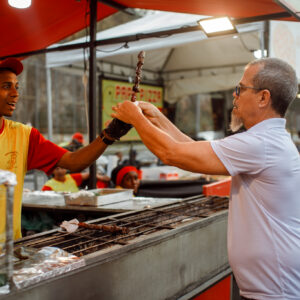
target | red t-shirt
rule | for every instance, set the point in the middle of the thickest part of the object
(42, 154)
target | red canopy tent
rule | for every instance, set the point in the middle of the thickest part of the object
(24, 31)
(47, 22)
(232, 8)
(42, 24)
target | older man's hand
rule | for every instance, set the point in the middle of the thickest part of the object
(126, 111)
(150, 111)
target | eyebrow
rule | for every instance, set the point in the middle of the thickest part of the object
(9, 82)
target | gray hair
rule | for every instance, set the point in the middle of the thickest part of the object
(280, 79)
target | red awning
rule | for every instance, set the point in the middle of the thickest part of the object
(231, 8)
(43, 23)
(49, 21)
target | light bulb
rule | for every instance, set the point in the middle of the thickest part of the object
(212, 25)
(19, 3)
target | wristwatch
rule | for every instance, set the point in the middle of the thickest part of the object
(105, 139)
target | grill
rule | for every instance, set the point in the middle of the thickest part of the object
(165, 252)
(85, 241)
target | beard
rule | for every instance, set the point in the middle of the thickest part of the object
(236, 122)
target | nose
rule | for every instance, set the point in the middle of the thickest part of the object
(14, 92)
(234, 94)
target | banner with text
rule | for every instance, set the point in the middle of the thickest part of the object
(114, 92)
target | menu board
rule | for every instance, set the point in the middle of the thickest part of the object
(114, 91)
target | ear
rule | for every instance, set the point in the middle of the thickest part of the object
(265, 99)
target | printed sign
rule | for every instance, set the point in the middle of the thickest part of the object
(114, 92)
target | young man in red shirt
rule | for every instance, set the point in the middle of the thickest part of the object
(23, 148)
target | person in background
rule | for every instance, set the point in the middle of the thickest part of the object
(264, 206)
(76, 142)
(102, 180)
(38, 221)
(23, 148)
(63, 182)
(120, 157)
(126, 177)
(132, 158)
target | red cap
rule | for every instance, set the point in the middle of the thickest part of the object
(78, 136)
(12, 64)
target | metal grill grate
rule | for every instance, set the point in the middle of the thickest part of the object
(85, 241)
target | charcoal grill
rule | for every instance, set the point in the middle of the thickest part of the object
(185, 242)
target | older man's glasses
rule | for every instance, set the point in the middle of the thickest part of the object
(239, 87)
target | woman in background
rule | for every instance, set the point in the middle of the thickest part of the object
(126, 177)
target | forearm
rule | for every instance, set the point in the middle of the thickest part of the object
(156, 138)
(166, 125)
(192, 156)
(84, 157)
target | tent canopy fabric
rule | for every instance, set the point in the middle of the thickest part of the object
(43, 23)
(47, 22)
(189, 50)
(232, 8)
(157, 21)
(196, 58)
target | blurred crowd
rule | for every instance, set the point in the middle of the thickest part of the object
(113, 171)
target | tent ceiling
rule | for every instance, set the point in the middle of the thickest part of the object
(47, 22)
(209, 53)
(170, 53)
(232, 8)
(42, 24)
(188, 62)
(204, 54)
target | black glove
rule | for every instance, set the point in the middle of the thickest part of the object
(117, 129)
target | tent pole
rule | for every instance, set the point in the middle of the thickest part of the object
(92, 86)
(262, 41)
(49, 104)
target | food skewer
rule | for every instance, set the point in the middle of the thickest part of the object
(72, 225)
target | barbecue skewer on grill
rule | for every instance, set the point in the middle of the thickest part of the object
(109, 228)
(72, 226)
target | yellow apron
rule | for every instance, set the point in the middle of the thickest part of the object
(14, 143)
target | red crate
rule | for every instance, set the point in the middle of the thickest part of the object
(219, 188)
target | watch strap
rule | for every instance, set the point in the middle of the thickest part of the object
(105, 139)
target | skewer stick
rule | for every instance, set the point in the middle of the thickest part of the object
(138, 75)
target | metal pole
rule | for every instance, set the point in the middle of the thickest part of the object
(9, 243)
(92, 86)
(100, 110)
(37, 96)
(49, 104)
(262, 41)
(198, 114)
